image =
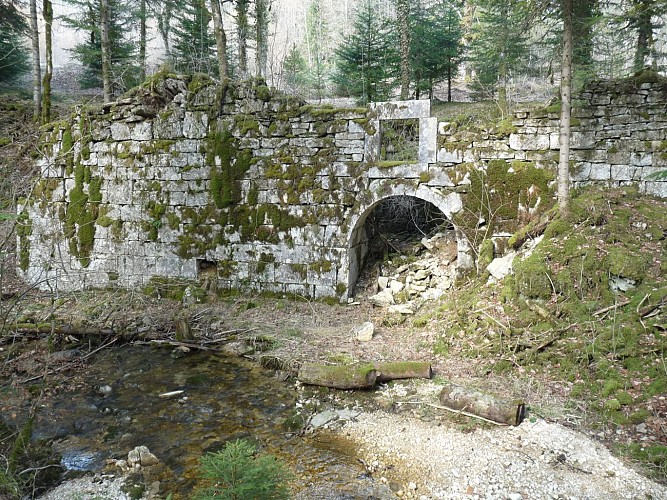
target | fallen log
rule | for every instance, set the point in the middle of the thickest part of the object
(358, 376)
(396, 370)
(361, 375)
(478, 403)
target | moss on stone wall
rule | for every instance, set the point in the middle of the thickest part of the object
(228, 166)
(24, 231)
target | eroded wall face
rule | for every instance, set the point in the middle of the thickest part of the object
(258, 190)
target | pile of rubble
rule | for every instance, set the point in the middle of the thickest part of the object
(405, 283)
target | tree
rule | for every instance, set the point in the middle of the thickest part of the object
(36, 64)
(220, 39)
(436, 48)
(242, 29)
(142, 39)
(13, 31)
(47, 13)
(403, 18)
(262, 8)
(642, 17)
(499, 44)
(237, 473)
(366, 61)
(123, 70)
(585, 15)
(566, 105)
(317, 33)
(194, 43)
(106, 49)
(295, 70)
(163, 11)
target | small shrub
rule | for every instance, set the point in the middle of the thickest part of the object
(237, 473)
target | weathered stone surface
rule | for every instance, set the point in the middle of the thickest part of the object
(364, 332)
(278, 204)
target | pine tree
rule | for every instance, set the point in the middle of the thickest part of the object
(367, 60)
(317, 34)
(295, 71)
(13, 31)
(437, 46)
(499, 44)
(644, 18)
(194, 43)
(124, 68)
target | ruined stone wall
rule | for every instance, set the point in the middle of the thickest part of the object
(619, 137)
(248, 188)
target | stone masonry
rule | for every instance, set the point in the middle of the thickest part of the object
(183, 179)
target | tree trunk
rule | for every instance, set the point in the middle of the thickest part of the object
(478, 403)
(403, 12)
(360, 376)
(142, 38)
(220, 39)
(449, 80)
(566, 107)
(242, 33)
(262, 35)
(48, 70)
(106, 49)
(402, 369)
(36, 67)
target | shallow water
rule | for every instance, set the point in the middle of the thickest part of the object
(224, 398)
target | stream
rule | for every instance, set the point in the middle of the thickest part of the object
(118, 406)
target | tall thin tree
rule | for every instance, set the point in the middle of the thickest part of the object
(142, 39)
(242, 28)
(36, 65)
(403, 18)
(262, 8)
(47, 13)
(566, 108)
(220, 39)
(106, 49)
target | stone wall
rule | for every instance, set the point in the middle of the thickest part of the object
(246, 188)
(619, 137)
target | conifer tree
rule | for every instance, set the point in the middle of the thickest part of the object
(437, 46)
(295, 71)
(122, 50)
(194, 43)
(499, 44)
(317, 34)
(13, 31)
(367, 60)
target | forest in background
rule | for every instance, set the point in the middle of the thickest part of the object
(367, 49)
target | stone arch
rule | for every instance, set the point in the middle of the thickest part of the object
(357, 241)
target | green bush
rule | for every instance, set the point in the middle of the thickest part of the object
(237, 473)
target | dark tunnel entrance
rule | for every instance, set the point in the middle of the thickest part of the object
(395, 232)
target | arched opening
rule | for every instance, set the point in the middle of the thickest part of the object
(394, 233)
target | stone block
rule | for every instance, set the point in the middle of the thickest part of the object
(142, 131)
(428, 132)
(399, 110)
(529, 142)
(581, 140)
(445, 156)
(656, 188)
(120, 131)
(195, 124)
(600, 172)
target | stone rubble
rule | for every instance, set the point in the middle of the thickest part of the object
(404, 288)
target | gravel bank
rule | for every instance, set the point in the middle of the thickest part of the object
(536, 460)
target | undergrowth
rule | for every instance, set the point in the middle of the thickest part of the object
(586, 309)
